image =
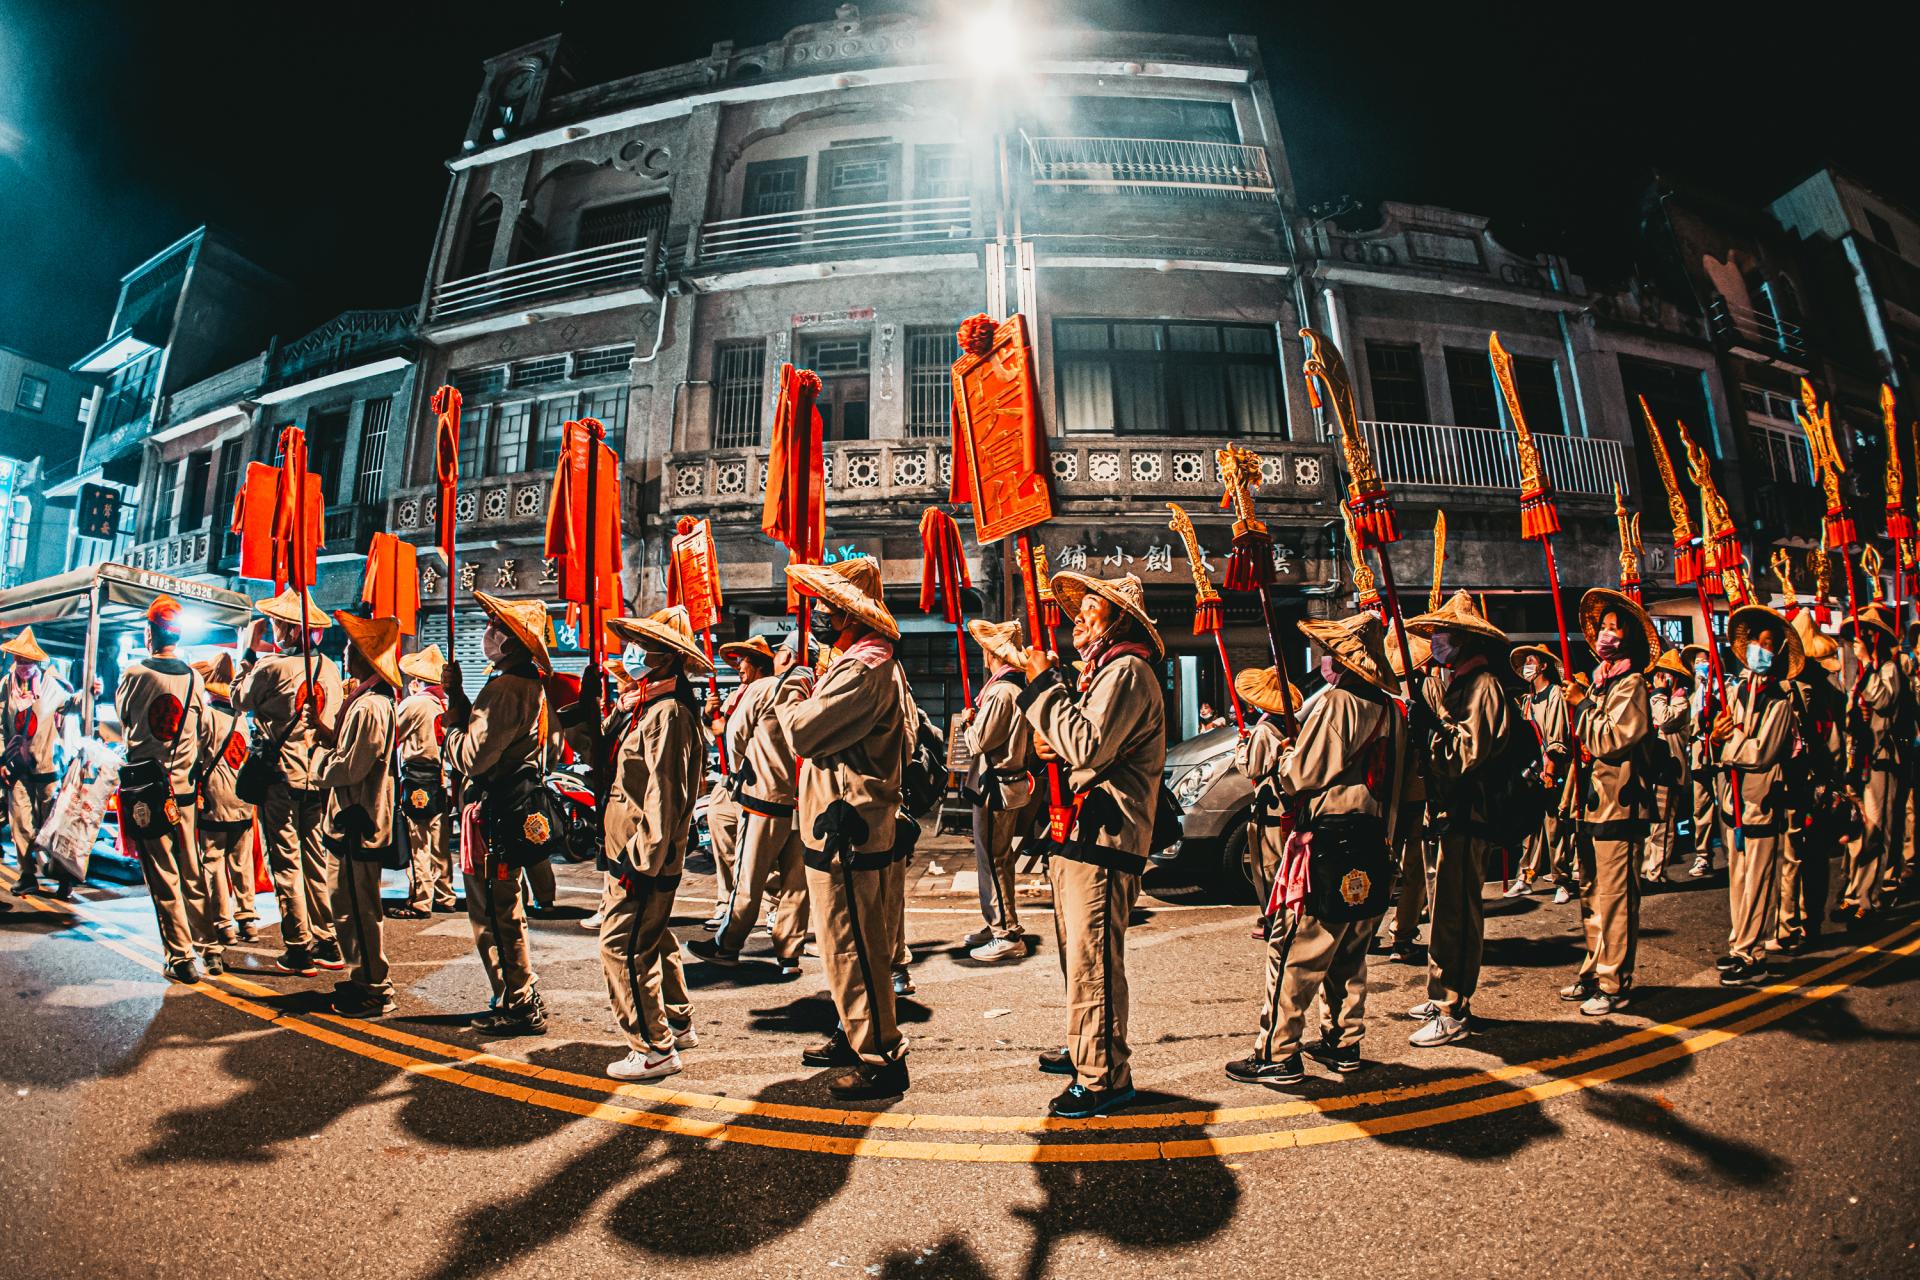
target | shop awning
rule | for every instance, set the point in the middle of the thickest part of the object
(125, 592)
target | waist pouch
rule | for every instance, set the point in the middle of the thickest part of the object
(147, 806)
(423, 792)
(520, 818)
(1349, 870)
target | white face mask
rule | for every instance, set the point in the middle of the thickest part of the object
(1530, 669)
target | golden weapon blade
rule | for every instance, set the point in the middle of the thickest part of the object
(1629, 525)
(1782, 565)
(1439, 559)
(1209, 613)
(1871, 564)
(1366, 591)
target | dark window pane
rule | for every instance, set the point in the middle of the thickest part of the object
(1470, 378)
(1398, 379)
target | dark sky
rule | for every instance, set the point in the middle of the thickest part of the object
(316, 132)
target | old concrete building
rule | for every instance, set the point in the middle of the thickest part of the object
(43, 410)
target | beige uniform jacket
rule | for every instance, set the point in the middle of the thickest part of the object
(1672, 715)
(1613, 722)
(38, 716)
(765, 765)
(271, 690)
(748, 708)
(160, 703)
(1758, 748)
(1000, 742)
(1879, 697)
(1343, 738)
(222, 742)
(851, 735)
(1547, 710)
(506, 731)
(1258, 757)
(356, 775)
(1475, 715)
(1114, 738)
(656, 776)
(419, 726)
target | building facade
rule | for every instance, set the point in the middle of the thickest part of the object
(43, 410)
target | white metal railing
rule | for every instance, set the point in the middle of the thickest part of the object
(630, 262)
(1731, 320)
(839, 226)
(1439, 456)
(1220, 167)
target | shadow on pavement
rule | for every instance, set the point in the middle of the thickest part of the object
(1725, 1159)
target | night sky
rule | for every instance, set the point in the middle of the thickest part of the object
(316, 133)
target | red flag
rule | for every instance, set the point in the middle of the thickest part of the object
(943, 567)
(392, 584)
(693, 573)
(446, 460)
(253, 520)
(999, 442)
(795, 509)
(567, 518)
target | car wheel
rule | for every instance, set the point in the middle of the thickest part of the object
(1239, 877)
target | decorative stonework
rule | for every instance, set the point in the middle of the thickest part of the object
(1188, 468)
(730, 478)
(465, 507)
(495, 505)
(526, 502)
(946, 468)
(409, 514)
(1272, 472)
(1148, 468)
(1066, 466)
(863, 470)
(1103, 467)
(1306, 471)
(688, 481)
(909, 470)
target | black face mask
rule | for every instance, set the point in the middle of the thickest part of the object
(823, 629)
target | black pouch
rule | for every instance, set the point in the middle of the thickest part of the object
(257, 772)
(147, 806)
(423, 794)
(521, 820)
(1349, 871)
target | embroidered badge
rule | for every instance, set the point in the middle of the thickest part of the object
(171, 812)
(417, 799)
(236, 752)
(1354, 886)
(142, 816)
(535, 829)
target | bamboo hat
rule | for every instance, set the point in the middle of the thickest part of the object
(1599, 600)
(1417, 648)
(1674, 665)
(1358, 643)
(378, 640)
(667, 630)
(1000, 641)
(756, 647)
(1261, 687)
(1819, 647)
(1751, 619)
(527, 621)
(285, 607)
(852, 585)
(1123, 593)
(1522, 652)
(427, 665)
(24, 647)
(1874, 616)
(1457, 614)
(217, 675)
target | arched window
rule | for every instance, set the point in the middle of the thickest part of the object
(476, 254)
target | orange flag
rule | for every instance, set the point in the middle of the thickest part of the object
(795, 509)
(253, 519)
(693, 573)
(567, 518)
(998, 441)
(392, 585)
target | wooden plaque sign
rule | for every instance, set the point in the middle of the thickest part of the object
(697, 572)
(999, 418)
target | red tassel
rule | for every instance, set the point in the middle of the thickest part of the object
(1250, 562)
(1539, 517)
(1373, 520)
(1840, 531)
(1899, 524)
(1688, 562)
(1050, 615)
(1208, 617)
(1631, 586)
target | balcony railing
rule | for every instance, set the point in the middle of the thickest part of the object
(1443, 457)
(489, 506)
(1756, 335)
(839, 228)
(1202, 168)
(181, 554)
(628, 264)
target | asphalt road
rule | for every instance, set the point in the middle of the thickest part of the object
(236, 1130)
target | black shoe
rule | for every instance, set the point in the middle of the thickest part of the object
(1288, 1070)
(62, 891)
(1336, 1057)
(1744, 974)
(528, 1019)
(712, 924)
(1728, 963)
(186, 971)
(298, 961)
(863, 1081)
(406, 913)
(229, 936)
(789, 968)
(1794, 945)
(836, 1052)
(360, 1003)
(448, 908)
(1057, 1062)
(213, 964)
(710, 950)
(327, 956)
(1077, 1102)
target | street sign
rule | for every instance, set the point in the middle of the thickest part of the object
(99, 511)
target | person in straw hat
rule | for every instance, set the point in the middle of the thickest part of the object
(761, 793)
(1614, 803)
(849, 729)
(1341, 777)
(159, 704)
(36, 705)
(1670, 703)
(1413, 850)
(1549, 850)
(1813, 820)
(658, 767)
(353, 767)
(1754, 739)
(1472, 718)
(1876, 699)
(273, 689)
(1113, 739)
(490, 742)
(224, 824)
(999, 783)
(1257, 756)
(728, 723)
(423, 786)
(1709, 824)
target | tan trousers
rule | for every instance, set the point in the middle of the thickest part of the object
(1458, 929)
(1804, 879)
(177, 882)
(1609, 909)
(724, 820)
(1328, 959)
(646, 979)
(896, 909)
(1753, 894)
(1665, 833)
(357, 914)
(1091, 907)
(768, 862)
(1411, 835)
(430, 876)
(541, 888)
(500, 931)
(1867, 855)
(1708, 822)
(27, 806)
(229, 858)
(1549, 851)
(993, 860)
(855, 943)
(302, 868)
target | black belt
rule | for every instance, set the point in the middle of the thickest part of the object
(635, 883)
(1615, 829)
(765, 808)
(822, 860)
(216, 826)
(1101, 856)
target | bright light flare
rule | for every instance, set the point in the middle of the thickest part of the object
(990, 41)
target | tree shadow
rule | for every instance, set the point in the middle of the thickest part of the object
(1725, 1159)
(951, 1259)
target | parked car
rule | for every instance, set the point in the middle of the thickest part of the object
(1216, 800)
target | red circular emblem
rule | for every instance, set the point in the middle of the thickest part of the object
(165, 716)
(24, 723)
(319, 696)
(236, 752)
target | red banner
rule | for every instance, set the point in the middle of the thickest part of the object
(567, 516)
(998, 439)
(693, 573)
(391, 587)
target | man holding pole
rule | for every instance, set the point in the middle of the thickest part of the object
(35, 708)
(1549, 850)
(1000, 785)
(1876, 695)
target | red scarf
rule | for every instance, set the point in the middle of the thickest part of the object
(1105, 655)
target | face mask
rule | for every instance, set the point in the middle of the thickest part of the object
(493, 645)
(1442, 646)
(1700, 668)
(1529, 669)
(824, 626)
(1607, 645)
(1329, 669)
(1759, 661)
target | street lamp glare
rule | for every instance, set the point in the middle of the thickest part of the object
(990, 41)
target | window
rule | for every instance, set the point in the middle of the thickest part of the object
(939, 171)
(371, 484)
(929, 380)
(1778, 434)
(507, 451)
(619, 223)
(1165, 119)
(32, 395)
(473, 434)
(19, 527)
(844, 406)
(739, 374)
(474, 383)
(233, 456)
(195, 468)
(555, 413)
(837, 355)
(166, 498)
(604, 360)
(773, 186)
(1150, 378)
(476, 255)
(609, 405)
(327, 449)
(1539, 386)
(1476, 403)
(858, 175)
(1399, 383)
(539, 373)
(1881, 230)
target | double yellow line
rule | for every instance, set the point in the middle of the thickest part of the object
(1558, 1075)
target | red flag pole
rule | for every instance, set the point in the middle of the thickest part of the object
(293, 445)
(590, 430)
(954, 568)
(446, 406)
(1233, 694)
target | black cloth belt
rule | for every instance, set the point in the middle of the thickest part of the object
(1615, 829)
(765, 808)
(214, 824)
(635, 883)
(1101, 856)
(823, 860)
(1762, 829)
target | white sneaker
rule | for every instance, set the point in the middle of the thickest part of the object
(684, 1038)
(1438, 1031)
(1562, 896)
(1519, 888)
(978, 938)
(998, 949)
(593, 922)
(1701, 869)
(1425, 1011)
(645, 1066)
